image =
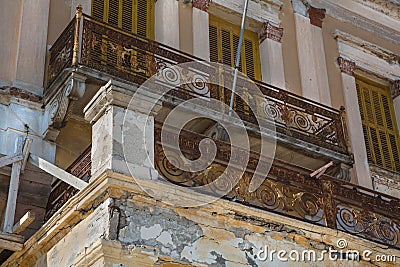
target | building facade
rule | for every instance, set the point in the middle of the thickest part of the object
(329, 71)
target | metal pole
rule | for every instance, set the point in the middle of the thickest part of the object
(237, 60)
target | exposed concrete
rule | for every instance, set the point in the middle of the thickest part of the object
(122, 136)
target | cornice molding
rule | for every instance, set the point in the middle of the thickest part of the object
(367, 46)
(357, 13)
(369, 57)
(259, 11)
(390, 8)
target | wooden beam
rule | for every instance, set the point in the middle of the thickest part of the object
(13, 189)
(7, 160)
(57, 172)
(24, 222)
(321, 170)
(11, 242)
(25, 153)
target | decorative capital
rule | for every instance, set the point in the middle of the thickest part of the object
(201, 4)
(395, 89)
(316, 15)
(346, 66)
(271, 32)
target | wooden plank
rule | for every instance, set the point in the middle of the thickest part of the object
(57, 172)
(13, 189)
(7, 160)
(24, 222)
(25, 153)
(5, 171)
(11, 242)
(321, 170)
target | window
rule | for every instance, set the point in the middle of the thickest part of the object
(130, 15)
(379, 124)
(224, 40)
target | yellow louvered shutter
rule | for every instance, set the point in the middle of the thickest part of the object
(136, 16)
(250, 58)
(379, 125)
(127, 18)
(224, 40)
(98, 11)
(214, 55)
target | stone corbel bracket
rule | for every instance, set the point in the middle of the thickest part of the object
(59, 107)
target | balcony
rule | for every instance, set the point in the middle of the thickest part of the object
(101, 52)
(288, 190)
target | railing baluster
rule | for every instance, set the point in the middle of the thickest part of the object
(328, 203)
(346, 140)
(76, 49)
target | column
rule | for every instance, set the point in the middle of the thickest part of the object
(167, 22)
(113, 146)
(201, 46)
(271, 56)
(31, 46)
(356, 135)
(395, 90)
(311, 52)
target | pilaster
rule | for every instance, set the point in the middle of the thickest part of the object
(30, 63)
(167, 22)
(201, 46)
(271, 56)
(311, 52)
(356, 135)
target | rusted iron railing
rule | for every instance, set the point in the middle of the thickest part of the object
(288, 190)
(98, 46)
(61, 192)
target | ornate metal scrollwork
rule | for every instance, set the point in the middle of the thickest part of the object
(368, 224)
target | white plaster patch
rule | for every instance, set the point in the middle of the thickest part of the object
(165, 238)
(151, 232)
(204, 250)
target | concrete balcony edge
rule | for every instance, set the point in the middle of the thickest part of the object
(110, 184)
